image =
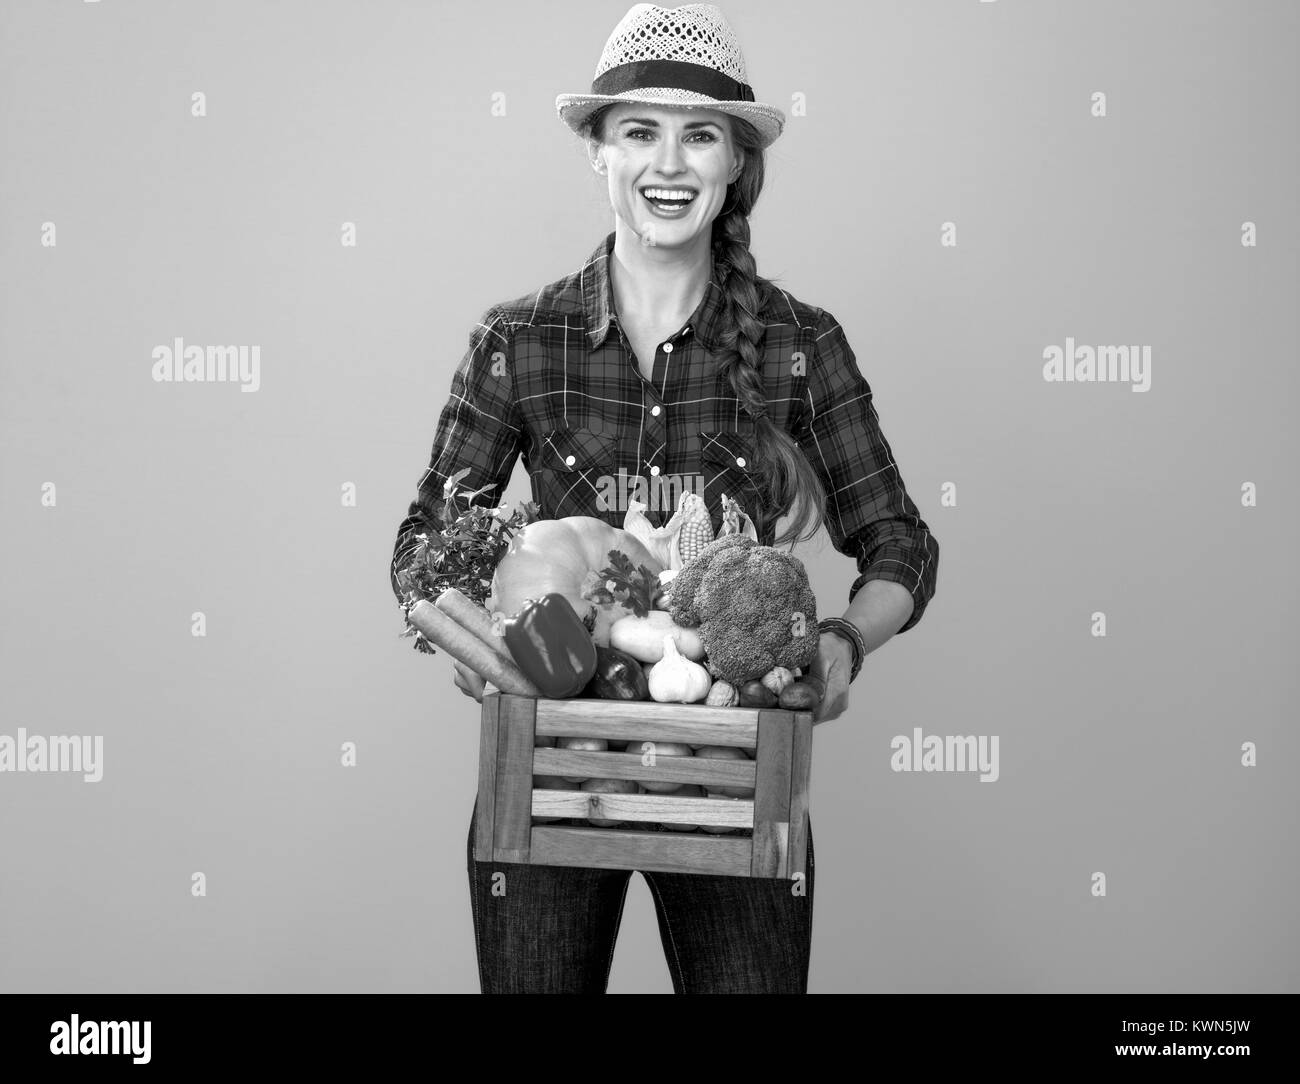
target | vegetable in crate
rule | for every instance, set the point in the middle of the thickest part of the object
(643, 637)
(606, 786)
(564, 556)
(678, 540)
(754, 694)
(674, 679)
(777, 679)
(463, 553)
(803, 695)
(618, 676)
(686, 790)
(581, 745)
(650, 752)
(551, 645)
(548, 782)
(725, 752)
(753, 606)
(438, 628)
(722, 695)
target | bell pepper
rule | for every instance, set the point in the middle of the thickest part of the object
(551, 645)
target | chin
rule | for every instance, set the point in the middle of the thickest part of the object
(669, 233)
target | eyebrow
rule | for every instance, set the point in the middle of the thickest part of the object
(655, 124)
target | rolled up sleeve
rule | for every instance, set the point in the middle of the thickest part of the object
(869, 514)
(479, 431)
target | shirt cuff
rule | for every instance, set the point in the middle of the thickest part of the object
(898, 566)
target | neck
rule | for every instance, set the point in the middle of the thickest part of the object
(659, 283)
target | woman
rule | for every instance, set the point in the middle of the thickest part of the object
(667, 356)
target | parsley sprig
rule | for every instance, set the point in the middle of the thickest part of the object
(463, 554)
(633, 586)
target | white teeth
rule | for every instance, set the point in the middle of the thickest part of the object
(669, 193)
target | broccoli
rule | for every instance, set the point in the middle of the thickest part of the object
(753, 607)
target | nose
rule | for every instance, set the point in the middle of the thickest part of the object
(669, 159)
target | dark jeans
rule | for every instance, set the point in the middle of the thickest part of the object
(553, 929)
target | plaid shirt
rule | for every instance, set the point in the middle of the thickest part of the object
(552, 376)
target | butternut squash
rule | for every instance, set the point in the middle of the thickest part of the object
(556, 555)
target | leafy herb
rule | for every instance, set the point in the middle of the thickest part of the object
(632, 586)
(464, 554)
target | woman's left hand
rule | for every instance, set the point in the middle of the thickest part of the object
(833, 665)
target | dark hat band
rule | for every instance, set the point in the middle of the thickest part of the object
(680, 74)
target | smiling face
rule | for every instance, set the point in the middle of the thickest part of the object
(668, 168)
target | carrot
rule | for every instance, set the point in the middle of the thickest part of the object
(462, 645)
(464, 611)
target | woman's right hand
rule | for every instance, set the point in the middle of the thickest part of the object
(467, 681)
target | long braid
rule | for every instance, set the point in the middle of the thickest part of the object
(780, 464)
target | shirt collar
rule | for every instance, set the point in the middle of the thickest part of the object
(598, 299)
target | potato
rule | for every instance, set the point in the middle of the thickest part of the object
(725, 752)
(686, 790)
(608, 786)
(754, 694)
(799, 696)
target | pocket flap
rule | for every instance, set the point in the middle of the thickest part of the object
(727, 449)
(576, 449)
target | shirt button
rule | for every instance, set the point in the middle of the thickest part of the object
(740, 460)
(569, 461)
(654, 472)
(668, 348)
(654, 411)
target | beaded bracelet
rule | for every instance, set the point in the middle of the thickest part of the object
(842, 627)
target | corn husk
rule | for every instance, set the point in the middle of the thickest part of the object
(689, 526)
(734, 520)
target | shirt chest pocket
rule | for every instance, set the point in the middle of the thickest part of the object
(574, 473)
(727, 459)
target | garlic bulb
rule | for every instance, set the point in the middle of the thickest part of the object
(674, 679)
(777, 679)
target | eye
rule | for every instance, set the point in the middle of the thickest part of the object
(708, 137)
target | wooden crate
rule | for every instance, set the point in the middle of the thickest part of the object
(772, 835)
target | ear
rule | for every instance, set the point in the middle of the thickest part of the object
(738, 168)
(597, 158)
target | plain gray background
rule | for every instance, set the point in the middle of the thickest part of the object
(1118, 754)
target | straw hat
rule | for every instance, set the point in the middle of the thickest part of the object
(684, 56)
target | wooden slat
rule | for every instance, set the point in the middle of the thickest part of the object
(514, 779)
(771, 846)
(701, 770)
(627, 720)
(800, 783)
(485, 804)
(717, 812)
(611, 848)
(772, 798)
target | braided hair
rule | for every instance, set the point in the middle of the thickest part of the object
(783, 471)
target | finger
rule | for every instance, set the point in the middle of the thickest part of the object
(832, 707)
(463, 677)
(470, 682)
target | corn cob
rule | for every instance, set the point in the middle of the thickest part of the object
(696, 532)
